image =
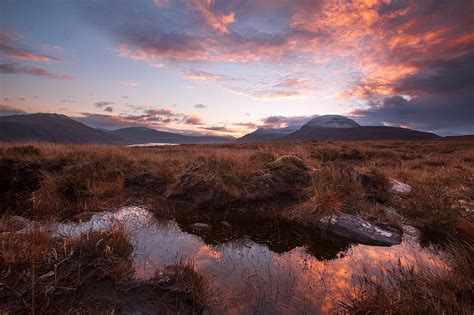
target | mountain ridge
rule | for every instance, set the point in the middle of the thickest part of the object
(339, 128)
(58, 128)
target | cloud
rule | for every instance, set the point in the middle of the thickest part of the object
(202, 76)
(193, 120)
(103, 104)
(441, 113)
(367, 52)
(109, 109)
(200, 106)
(13, 68)
(284, 121)
(216, 20)
(14, 99)
(162, 3)
(9, 47)
(162, 112)
(6, 110)
(248, 125)
(218, 128)
(130, 83)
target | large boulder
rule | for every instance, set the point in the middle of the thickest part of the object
(358, 230)
(285, 176)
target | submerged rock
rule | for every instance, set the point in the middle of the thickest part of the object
(359, 230)
(397, 187)
(287, 175)
(225, 223)
(201, 226)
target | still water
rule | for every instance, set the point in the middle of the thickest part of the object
(255, 267)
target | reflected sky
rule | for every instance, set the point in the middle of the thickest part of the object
(247, 276)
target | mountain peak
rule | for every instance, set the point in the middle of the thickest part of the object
(332, 121)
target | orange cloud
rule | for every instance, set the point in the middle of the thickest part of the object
(217, 21)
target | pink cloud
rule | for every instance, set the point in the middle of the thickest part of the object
(12, 68)
(217, 21)
(130, 83)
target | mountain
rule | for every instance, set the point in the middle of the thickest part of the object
(338, 128)
(62, 129)
(361, 133)
(140, 135)
(331, 121)
(265, 134)
(50, 128)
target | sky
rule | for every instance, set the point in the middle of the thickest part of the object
(227, 67)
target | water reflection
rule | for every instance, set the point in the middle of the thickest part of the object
(254, 267)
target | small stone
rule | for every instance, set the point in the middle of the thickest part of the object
(397, 187)
(17, 222)
(201, 226)
(392, 215)
(225, 223)
(411, 232)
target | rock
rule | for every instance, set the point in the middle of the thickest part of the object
(17, 222)
(397, 187)
(84, 216)
(287, 175)
(392, 216)
(198, 187)
(358, 230)
(225, 223)
(411, 232)
(201, 226)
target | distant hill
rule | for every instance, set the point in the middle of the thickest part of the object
(50, 128)
(140, 135)
(361, 133)
(265, 134)
(62, 129)
(338, 128)
(463, 137)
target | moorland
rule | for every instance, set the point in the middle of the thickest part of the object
(395, 188)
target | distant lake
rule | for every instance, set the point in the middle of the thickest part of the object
(151, 144)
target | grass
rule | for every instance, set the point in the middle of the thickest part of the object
(92, 273)
(80, 178)
(51, 182)
(418, 289)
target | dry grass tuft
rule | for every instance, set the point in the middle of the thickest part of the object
(44, 274)
(420, 290)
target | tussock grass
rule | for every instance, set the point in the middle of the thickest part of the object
(419, 289)
(77, 178)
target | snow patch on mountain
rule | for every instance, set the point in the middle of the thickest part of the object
(332, 121)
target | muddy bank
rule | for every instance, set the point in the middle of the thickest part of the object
(92, 273)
